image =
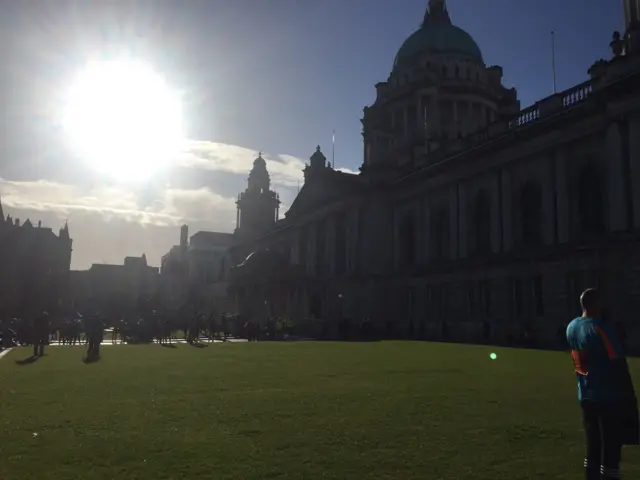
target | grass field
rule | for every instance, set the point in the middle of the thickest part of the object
(388, 410)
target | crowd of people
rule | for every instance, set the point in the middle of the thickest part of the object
(78, 329)
(155, 326)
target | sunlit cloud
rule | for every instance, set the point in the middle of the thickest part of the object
(284, 170)
(111, 221)
(172, 206)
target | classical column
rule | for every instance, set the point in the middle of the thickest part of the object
(615, 178)
(395, 242)
(634, 164)
(463, 214)
(549, 220)
(456, 125)
(454, 215)
(562, 197)
(405, 119)
(631, 11)
(310, 260)
(507, 210)
(424, 250)
(495, 213)
(435, 124)
(330, 245)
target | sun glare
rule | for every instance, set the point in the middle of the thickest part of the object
(122, 118)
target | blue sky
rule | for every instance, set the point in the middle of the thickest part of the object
(276, 76)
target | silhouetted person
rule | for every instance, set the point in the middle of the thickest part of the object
(224, 326)
(95, 331)
(40, 333)
(605, 389)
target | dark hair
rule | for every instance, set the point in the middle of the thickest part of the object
(590, 299)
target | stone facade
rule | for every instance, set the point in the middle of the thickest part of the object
(481, 224)
(34, 267)
(114, 289)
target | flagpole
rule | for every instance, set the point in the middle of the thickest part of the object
(553, 60)
(333, 149)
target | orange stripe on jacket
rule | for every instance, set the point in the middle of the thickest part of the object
(607, 344)
(580, 362)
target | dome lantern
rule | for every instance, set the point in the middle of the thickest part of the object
(437, 35)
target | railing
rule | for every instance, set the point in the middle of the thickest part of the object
(576, 94)
(525, 116)
(569, 98)
(539, 111)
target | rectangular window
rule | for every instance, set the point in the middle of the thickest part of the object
(471, 301)
(443, 299)
(517, 297)
(302, 247)
(341, 244)
(538, 295)
(411, 304)
(320, 247)
(485, 290)
(429, 305)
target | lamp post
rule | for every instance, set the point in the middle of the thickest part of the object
(341, 321)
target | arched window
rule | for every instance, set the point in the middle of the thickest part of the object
(591, 201)
(407, 242)
(440, 233)
(531, 214)
(481, 222)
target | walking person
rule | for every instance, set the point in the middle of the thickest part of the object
(40, 334)
(95, 332)
(605, 389)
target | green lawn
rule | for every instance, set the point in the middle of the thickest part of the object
(389, 410)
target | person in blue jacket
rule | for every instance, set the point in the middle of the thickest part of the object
(605, 388)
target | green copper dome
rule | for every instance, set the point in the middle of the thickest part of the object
(437, 34)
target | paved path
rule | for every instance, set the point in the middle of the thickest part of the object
(108, 343)
(180, 340)
(4, 352)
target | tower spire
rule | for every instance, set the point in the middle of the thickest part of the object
(436, 13)
(1, 212)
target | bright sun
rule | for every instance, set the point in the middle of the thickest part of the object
(123, 118)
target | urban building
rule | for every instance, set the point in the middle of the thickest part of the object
(191, 272)
(116, 289)
(34, 267)
(472, 219)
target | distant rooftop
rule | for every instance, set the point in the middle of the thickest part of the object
(211, 239)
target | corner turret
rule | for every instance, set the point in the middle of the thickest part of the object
(258, 205)
(317, 164)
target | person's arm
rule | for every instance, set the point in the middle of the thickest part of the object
(619, 365)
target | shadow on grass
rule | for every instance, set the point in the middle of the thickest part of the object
(199, 345)
(88, 360)
(28, 360)
(169, 345)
